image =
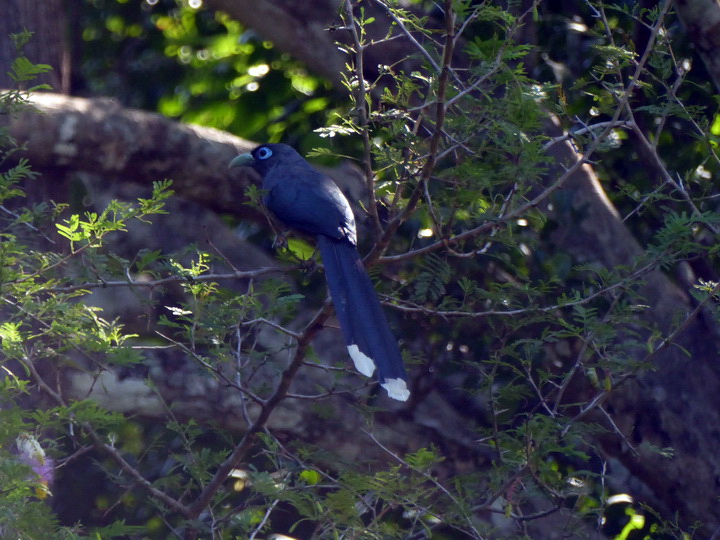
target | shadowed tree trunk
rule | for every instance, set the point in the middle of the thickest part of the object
(46, 20)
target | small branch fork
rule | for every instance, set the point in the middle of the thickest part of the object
(361, 106)
(437, 133)
(281, 391)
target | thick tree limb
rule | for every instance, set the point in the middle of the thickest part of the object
(294, 29)
(99, 136)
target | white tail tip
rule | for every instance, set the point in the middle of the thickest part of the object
(396, 389)
(363, 363)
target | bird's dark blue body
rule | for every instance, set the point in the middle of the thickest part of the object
(307, 200)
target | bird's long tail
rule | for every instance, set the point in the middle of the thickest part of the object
(370, 342)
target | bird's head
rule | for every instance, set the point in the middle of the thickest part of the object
(267, 156)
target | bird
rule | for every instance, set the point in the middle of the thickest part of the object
(304, 199)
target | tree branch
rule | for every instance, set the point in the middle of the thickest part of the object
(280, 393)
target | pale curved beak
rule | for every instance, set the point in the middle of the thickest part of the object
(243, 160)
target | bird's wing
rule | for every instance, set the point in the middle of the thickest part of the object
(309, 201)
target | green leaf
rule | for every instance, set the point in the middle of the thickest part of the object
(310, 477)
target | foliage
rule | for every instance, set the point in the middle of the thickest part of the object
(471, 202)
(205, 67)
(40, 325)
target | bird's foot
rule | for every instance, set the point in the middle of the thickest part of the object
(280, 241)
(309, 265)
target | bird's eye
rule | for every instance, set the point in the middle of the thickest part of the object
(264, 152)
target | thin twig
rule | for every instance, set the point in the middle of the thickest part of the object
(28, 225)
(408, 34)
(429, 478)
(218, 372)
(585, 130)
(264, 520)
(243, 447)
(667, 341)
(272, 324)
(152, 283)
(102, 446)
(429, 166)
(361, 106)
